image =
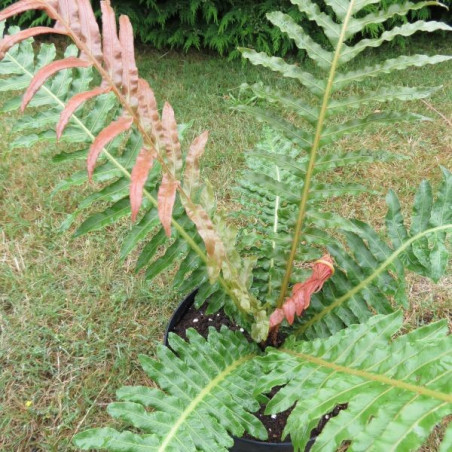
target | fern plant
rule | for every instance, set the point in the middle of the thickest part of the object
(208, 387)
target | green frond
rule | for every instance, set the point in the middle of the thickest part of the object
(325, 191)
(404, 30)
(300, 107)
(205, 396)
(392, 392)
(382, 95)
(276, 64)
(400, 9)
(325, 128)
(370, 272)
(284, 127)
(266, 193)
(207, 390)
(335, 132)
(429, 255)
(331, 29)
(393, 64)
(139, 232)
(302, 40)
(333, 160)
(175, 251)
(105, 218)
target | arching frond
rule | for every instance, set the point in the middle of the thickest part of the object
(392, 392)
(205, 397)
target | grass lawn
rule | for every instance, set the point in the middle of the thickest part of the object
(73, 318)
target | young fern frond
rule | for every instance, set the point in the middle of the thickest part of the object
(341, 30)
(113, 58)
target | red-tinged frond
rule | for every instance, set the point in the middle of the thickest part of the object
(171, 138)
(166, 199)
(26, 5)
(191, 172)
(149, 114)
(214, 246)
(47, 71)
(108, 134)
(90, 30)
(111, 45)
(10, 40)
(69, 18)
(74, 103)
(130, 71)
(140, 173)
(322, 270)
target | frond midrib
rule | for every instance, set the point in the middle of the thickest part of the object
(421, 390)
(201, 396)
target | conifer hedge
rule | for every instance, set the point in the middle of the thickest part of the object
(224, 25)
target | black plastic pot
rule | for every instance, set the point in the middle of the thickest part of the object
(240, 444)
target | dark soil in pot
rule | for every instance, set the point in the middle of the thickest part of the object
(187, 316)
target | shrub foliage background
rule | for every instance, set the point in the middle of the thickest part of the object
(224, 25)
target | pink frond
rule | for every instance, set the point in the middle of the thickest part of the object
(148, 110)
(90, 30)
(74, 103)
(108, 134)
(171, 138)
(191, 172)
(130, 71)
(111, 45)
(27, 5)
(166, 199)
(8, 41)
(47, 71)
(140, 172)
